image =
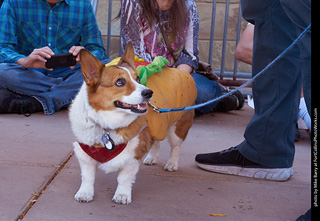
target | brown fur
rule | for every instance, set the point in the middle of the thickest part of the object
(102, 92)
(184, 124)
(105, 85)
(145, 143)
(101, 80)
(107, 91)
(133, 129)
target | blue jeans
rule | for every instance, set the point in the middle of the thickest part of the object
(55, 89)
(206, 90)
(299, 12)
(269, 136)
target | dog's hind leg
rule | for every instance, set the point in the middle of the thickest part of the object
(175, 142)
(177, 133)
(88, 170)
(153, 154)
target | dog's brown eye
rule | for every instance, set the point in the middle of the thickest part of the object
(120, 82)
(138, 79)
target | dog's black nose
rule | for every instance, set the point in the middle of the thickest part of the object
(147, 93)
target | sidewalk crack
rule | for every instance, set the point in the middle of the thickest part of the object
(36, 196)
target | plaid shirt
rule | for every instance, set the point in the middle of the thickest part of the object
(29, 24)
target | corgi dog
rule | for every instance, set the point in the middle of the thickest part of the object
(115, 127)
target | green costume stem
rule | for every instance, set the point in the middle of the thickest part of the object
(155, 67)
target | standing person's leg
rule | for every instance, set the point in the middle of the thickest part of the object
(269, 136)
(299, 11)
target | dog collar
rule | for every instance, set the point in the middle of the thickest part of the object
(101, 153)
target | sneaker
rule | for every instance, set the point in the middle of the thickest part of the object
(14, 103)
(231, 161)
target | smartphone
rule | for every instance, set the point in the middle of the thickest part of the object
(61, 60)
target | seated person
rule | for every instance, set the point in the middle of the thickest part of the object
(30, 32)
(171, 29)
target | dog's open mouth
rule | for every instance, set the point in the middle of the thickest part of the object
(136, 108)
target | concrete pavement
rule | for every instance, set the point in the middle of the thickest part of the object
(35, 170)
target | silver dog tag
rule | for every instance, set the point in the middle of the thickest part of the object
(108, 142)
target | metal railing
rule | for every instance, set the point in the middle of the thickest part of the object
(226, 77)
(222, 73)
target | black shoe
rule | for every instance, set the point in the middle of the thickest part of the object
(15, 103)
(226, 104)
(234, 101)
(240, 99)
(231, 161)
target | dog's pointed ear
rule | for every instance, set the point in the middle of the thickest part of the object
(128, 56)
(91, 68)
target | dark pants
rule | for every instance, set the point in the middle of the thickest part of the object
(299, 11)
(55, 89)
(269, 136)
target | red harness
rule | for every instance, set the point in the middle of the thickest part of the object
(102, 154)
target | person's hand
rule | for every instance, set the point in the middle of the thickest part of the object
(37, 58)
(185, 67)
(75, 50)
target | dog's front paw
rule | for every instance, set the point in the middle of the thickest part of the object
(171, 166)
(122, 198)
(84, 196)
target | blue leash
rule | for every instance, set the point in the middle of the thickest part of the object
(160, 110)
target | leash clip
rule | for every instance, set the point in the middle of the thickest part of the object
(155, 108)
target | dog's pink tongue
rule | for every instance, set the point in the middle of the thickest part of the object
(126, 105)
